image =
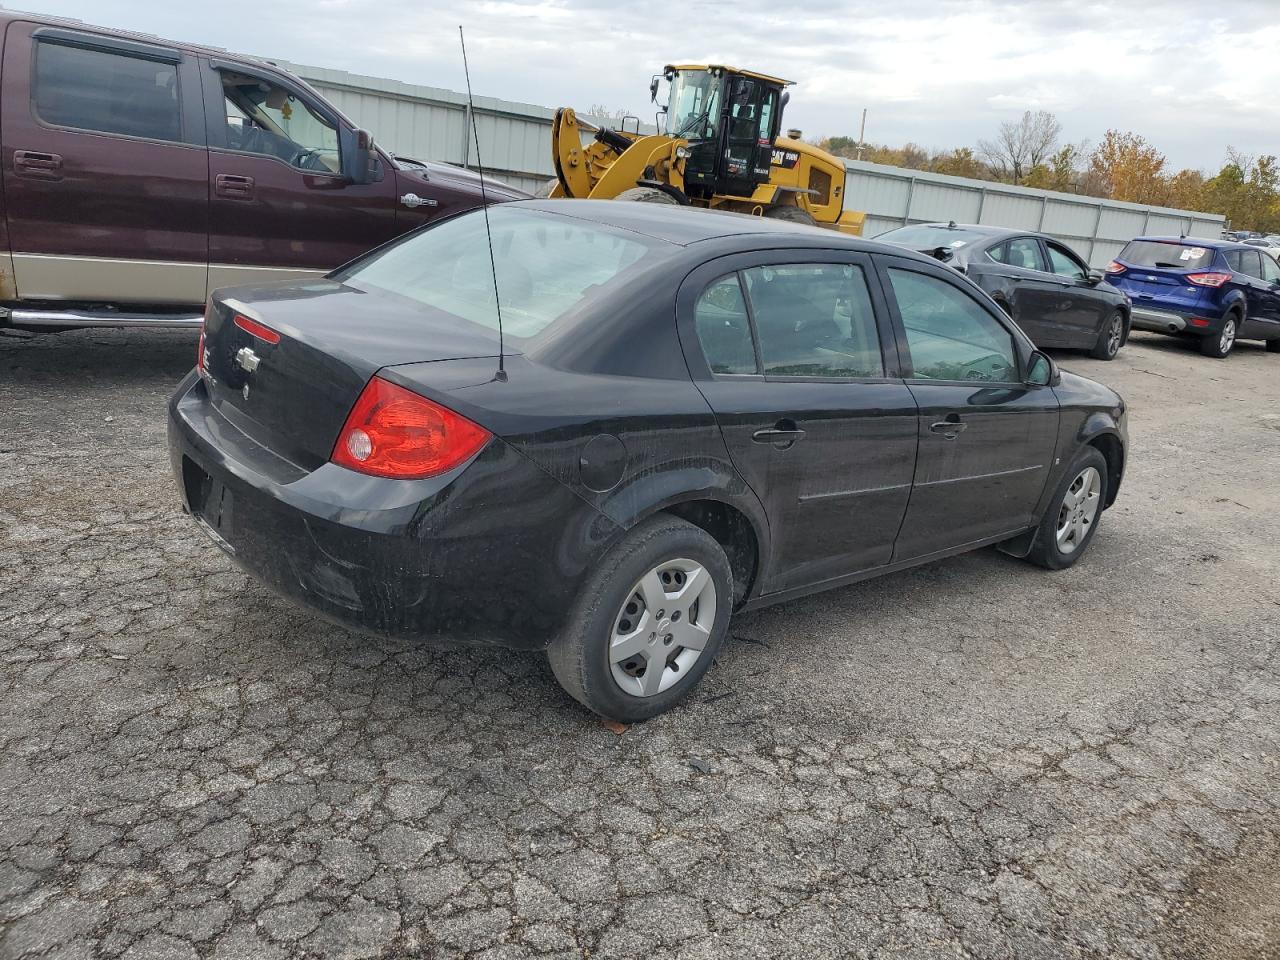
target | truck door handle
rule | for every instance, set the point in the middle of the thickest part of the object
(42, 166)
(782, 434)
(950, 427)
(233, 186)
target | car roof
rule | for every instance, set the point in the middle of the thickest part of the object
(688, 225)
(1197, 242)
(985, 229)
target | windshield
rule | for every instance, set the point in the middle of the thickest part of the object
(1158, 253)
(926, 237)
(693, 107)
(547, 266)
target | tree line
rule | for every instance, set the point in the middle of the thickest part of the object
(1123, 166)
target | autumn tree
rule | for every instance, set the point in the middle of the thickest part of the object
(961, 162)
(1128, 168)
(1021, 145)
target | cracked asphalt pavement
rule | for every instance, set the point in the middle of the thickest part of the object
(976, 759)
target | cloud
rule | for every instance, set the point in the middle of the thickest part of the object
(1190, 77)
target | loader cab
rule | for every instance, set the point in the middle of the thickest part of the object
(730, 118)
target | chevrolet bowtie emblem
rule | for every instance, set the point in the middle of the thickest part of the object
(247, 359)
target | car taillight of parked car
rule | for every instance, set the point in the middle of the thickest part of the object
(200, 345)
(1115, 268)
(1208, 279)
(393, 432)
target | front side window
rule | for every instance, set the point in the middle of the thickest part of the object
(548, 267)
(1270, 270)
(814, 320)
(1063, 264)
(265, 118)
(106, 92)
(951, 337)
(724, 329)
(1023, 252)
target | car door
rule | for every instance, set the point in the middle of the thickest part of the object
(788, 351)
(280, 205)
(1260, 296)
(1264, 322)
(1084, 307)
(106, 174)
(986, 438)
(1014, 272)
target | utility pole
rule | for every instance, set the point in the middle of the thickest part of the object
(862, 133)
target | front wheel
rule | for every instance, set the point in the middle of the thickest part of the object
(1218, 345)
(792, 214)
(646, 195)
(648, 622)
(1110, 338)
(1068, 526)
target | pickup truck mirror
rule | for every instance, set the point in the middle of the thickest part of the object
(359, 157)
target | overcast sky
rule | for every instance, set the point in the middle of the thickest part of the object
(1193, 76)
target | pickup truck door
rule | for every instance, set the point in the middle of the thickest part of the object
(280, 204)
(106, 172)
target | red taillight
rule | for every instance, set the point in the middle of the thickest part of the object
(393, 432)
(200, 351)
(1199, 322)
(256, 329)
(1208, 279)
(1115, 267)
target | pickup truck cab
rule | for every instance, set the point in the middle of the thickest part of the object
(139, 175)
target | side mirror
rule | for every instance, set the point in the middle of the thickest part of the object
(359, 157)
(1042, 372)
(1096, 277)
(653, 88)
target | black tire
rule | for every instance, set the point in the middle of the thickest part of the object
(1110, 337)
(579, 657)
(544, 191)
(1219, 345)
(1273, 346)
(792, 214)
(1045, 551)
(646, 195)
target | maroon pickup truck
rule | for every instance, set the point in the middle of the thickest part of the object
(139, 175)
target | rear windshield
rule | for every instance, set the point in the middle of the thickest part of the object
(546, 265)
(1158, 253)
(925, 237)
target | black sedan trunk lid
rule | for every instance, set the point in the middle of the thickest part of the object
(293, 395)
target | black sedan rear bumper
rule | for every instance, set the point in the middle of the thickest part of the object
(491, 553)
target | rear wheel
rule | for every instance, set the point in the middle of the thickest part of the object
(646, 195)
(1218, 345)
(648, 623)
(785, 211)
(1110, 338)
(1273, 346)
(1068, 526)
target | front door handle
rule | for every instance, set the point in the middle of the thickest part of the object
(781, 435)
(950, 428)
(233, 186)
(41, 166)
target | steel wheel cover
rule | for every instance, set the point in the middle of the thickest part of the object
(1079, 510)
(662, 627)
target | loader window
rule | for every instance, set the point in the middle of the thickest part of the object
(693, 109)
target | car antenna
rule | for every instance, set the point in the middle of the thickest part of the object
(501, 375)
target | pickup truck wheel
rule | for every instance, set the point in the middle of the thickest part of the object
(648, 623)
(1068, 526)
(1110, 338)
(1218, 345)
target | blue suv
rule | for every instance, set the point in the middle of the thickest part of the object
(1218, 291)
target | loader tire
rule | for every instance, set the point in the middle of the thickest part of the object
(646, 195)
(785, 211)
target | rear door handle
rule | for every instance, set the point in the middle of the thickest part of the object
(949, 428)
(42, 166)
(233, 186)
(782, 434)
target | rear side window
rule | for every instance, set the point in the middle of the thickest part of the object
(1251, 263)
(950, 336)
(1158, 253)
(724, 329)
(814, 320)
(106, 92)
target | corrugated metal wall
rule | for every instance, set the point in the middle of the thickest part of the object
(430, 123)
(1096, 229)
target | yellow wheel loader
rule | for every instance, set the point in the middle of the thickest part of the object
(721, 149)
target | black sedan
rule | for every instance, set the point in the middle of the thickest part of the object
(1038, 281)
(681, 415)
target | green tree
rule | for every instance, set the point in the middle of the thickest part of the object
(1128, 168)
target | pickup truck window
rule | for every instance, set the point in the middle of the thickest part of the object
(268, 119)
(106, 92)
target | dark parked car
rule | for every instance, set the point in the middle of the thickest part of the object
(1216, 291)
(1054, 297)
(682, 415)
(140, 174)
